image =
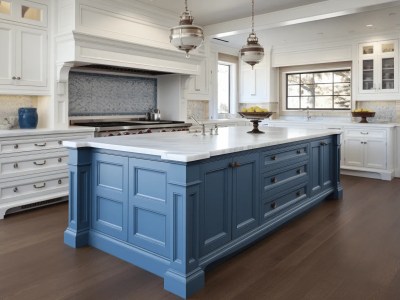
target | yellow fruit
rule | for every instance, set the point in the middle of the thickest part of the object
(258, 110)
(250, 109)
(244, 109)
(265, 110)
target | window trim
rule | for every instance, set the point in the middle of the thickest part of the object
(286, 74)
(233, 87)
(229, 87)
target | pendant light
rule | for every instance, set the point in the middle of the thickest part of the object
(252, 53)
(186, 36)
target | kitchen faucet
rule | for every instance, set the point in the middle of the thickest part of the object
(203, 127)
(307, 113)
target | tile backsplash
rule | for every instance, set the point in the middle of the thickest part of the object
(198, 108)
(103, 94)
(385, 111)
(9, 107)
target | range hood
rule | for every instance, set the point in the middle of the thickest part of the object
(107, 69)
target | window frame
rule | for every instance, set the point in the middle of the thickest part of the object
(333, 70)
(230, 78)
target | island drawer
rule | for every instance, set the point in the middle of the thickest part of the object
(44, 161)
(34, 186)
(284, 178)
(277, 158)
(283, 201)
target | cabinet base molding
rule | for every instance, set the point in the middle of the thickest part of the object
(367, 173)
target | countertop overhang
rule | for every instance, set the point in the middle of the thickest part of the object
(187, 147)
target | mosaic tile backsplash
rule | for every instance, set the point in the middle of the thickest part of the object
(385, 111)
(101, 94)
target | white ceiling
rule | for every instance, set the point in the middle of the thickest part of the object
(330, 24)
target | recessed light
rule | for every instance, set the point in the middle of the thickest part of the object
(369, 25)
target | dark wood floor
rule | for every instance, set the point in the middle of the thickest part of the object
(348, 249)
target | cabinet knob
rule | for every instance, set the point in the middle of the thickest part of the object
(323, 143)
(299, 171)
(298, 151)
(59, 181)
(60, 142)
(15, 189)
(59, 159)
(13, 78)
(18, 78)
(15, 165)
(16, 146)
(273, 205)
(274, 180)
(298, 193)
(273, 157)
(231, 165)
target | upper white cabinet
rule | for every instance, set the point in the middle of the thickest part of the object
(378, 70)
(23, 56)
(23, 11)
(198, 86)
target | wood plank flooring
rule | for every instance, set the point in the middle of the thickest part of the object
(348, 249)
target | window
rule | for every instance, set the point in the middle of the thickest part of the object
(224, 75)
(323, 90)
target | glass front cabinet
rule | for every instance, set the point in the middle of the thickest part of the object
(378, 67)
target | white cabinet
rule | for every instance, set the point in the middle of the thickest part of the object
(23, 11)
(23, 57)
(254, 83)
(369, 150)
(198, 86)
(378, 70)
(33, 169)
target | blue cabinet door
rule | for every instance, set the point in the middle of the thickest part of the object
(321, 165)
(215, 205)
(245, 194)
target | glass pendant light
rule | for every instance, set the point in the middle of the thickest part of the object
(252, 53)
(186, 36)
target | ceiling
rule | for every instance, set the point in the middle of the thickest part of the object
(339, 20)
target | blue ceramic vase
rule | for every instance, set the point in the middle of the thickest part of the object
(27, 117)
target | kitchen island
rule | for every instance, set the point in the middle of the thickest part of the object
(173, 203)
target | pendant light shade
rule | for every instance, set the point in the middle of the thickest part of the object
(252, 53)
(186, 36)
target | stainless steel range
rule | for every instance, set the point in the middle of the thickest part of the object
(118, 126)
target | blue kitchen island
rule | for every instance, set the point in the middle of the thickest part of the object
(172, 203)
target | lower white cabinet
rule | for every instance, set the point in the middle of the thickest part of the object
(33, 169)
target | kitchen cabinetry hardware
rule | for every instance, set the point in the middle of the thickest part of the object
(298, 151)
(16, 146)
(234, 164)
(41, 145)
(298, 193)
(15, 165)
(299, 171)
(273, 205)
(60, 142)
(59, 159)
(13, 78)
(59, 181)
(273, 157)
(323, 143)
(18, 78)
(39, 163)
(15, 190)
(274, 180)
(363, 132)
(36, 186)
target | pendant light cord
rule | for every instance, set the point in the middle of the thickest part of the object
(186, 5)
(252, 17)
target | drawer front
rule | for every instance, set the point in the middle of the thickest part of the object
(276, 158)
(45, 161)
(33, 187)
(284, 178)
(284, 201)
(37, 143)
(367, 133)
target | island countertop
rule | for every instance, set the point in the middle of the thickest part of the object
(187, 147)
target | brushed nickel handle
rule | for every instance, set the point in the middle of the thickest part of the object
(16, 146)
(39, 163)
(59, 181)
(323, 143)
(273, 157)
(299, 171)
(41, 145)
(15, 165)
(274, 180)
(15, 190)
(298, 193)
(39, 186)
(59, 159)
(273, 205)
(364, 132)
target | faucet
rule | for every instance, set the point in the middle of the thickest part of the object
(307, 113)
(203, 126)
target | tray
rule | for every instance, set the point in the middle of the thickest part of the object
(255, 118)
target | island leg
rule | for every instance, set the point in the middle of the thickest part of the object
(77, 233)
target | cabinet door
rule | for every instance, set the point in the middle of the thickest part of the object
(215, 205)
(7, 52)
(375, 154)
(321, 168)
(254, 85)
(354, 152)
(31, 52)
(245, 194)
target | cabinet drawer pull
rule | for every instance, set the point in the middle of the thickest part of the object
(15, 190)
(18, 78)
(323, 143)
(231, 165)
(298, 151)
(237, 165)
(15, 165)
(59, 159)
(39, 163)
(16, 146)
(364, 132)
(273, 157)
(39, 186)
(298, 193)
(59, 181)
(60, 142)
(273, 205)
(299, 171)
(41, 145)
(274, 180)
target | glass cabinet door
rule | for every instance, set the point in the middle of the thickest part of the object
(387, 73)
(5, 8)
(368, 74)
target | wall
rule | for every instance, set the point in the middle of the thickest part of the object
(101, 94)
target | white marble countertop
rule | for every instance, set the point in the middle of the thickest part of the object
(186, 147)
(329, 123)
(38, 131)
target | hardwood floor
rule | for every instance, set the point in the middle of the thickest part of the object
(347, 249)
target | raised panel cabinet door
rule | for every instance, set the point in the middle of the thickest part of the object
(327, 163)
(215, 205)
(7, 54)
(245, 194)
(31, 62)
(375, 154)
(354, 152)
(316, 155)
(249, 88)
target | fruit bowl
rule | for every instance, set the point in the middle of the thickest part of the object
(255, 118)
(363, 114)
